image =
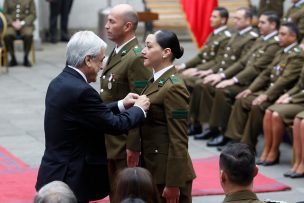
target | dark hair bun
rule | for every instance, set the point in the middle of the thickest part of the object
(168, 39)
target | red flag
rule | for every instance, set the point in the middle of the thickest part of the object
(198, 14)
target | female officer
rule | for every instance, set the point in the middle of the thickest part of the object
(164, 133)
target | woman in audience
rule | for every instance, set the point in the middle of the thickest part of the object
(277, 117)
(297, 170)
(164, 132)
(135, 183)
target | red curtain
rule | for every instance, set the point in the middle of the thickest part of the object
(198, 14)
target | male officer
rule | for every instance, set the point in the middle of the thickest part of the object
(238, 45)
(241, 74)
(272, 5)
(246, 118)
(20, 15)
(296, 14)
(124, 73)
(237, 171)
(213, 48)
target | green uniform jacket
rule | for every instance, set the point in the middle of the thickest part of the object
(255, 61)
(271, 5)
(238, 45)
(297, 92)
(242, 197)
(20, 10)
(280, 75)
(296, 15)
(164, 132)
(212, 50)
(123, 73)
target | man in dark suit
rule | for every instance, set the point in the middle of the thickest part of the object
(76, 120)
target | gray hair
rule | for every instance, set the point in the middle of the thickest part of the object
(82, 44)
(55, 192)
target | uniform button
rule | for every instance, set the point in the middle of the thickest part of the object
(18, 6)
(221, 69)
(228, 48)
(271, 76)
(271, 84)
(212, 53)
(17, 15)
(104, 77)
(101, 91)
(225, 55)
(223, 62)
(18, 10)
(156, 151)
(233, 58)
(205, 54)
(204, 61)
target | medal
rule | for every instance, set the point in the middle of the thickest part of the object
(111, 79)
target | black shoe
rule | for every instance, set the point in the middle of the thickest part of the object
(270, 163)
(218, 141)
(194, 129)
(53, 40)
(259, 162)
(64, 37)
(207, 134)
(13, 62)
(26, 62)
(220, 148)
(297, 175)
(288, 173)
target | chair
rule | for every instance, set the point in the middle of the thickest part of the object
(3, 53)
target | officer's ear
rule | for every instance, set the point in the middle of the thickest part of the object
(128, 26)
(166, 53)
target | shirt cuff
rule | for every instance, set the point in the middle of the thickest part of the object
(235, 79)
(121, 107)
(223, 75)
(142, 111)
(183, 66)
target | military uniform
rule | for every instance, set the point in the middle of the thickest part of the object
(288, 111)
(124, 73)
(271, 5)
(242, 197)
(243, 72)
(164, 135)
(245, 121)
(24, 11)
(296, 15)
(239, 44)
(210, 54)
(212, 50)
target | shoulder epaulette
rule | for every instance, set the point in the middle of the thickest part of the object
(175, 80)
(254, 34)
(227, 33)
(137, 49)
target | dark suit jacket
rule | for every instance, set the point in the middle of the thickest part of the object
(75, 122)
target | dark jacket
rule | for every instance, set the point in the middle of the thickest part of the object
(75, 122)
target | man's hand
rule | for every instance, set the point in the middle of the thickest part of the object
(259, 100)
(132, 158)
(171, 194)
(284, 99)
(144, 102)
(129, 100)
(17, 25)
(243, 94)
(225, 83)
(212, 79)
(204, 73)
